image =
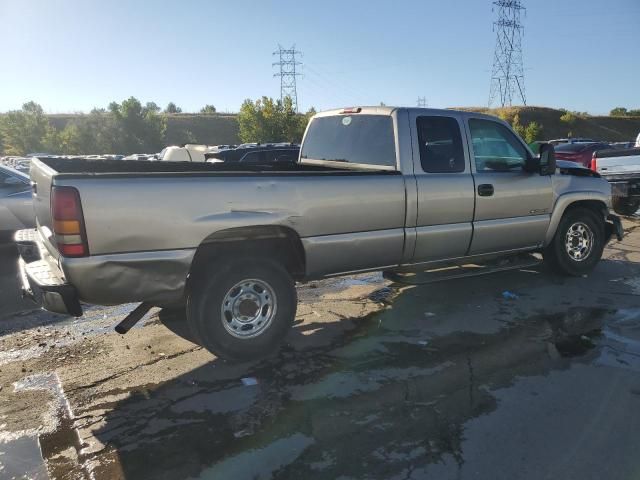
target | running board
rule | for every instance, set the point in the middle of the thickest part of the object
(454, 272)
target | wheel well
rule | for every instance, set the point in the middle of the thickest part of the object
(280, 243)
(598, 207)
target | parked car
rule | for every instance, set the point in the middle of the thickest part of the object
(16, 204)
(376, 188)
(560, 141)
(186, 153)
(622, 169)
(580, 152)
(264, 154)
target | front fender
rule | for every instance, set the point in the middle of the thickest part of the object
(564, 201)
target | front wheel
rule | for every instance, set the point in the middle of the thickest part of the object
(243, 309)
(625, 206)
(578, 243)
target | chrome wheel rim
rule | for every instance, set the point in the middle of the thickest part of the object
(579, 241)
(248, 308)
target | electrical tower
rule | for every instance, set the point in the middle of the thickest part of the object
(507, 75)
(288, 73)
(422, 102)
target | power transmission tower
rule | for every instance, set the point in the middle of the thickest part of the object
(507, 75)
(288, 74)
(422, 102)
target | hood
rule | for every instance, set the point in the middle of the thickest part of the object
(565, 167)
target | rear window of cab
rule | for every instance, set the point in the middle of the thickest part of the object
(358, 139)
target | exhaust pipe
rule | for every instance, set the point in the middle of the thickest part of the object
(134, 317)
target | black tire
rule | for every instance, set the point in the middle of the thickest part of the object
(211, 322)
(557, 253)
(625, 206)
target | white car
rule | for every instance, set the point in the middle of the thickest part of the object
(187, 153)
(16, 203)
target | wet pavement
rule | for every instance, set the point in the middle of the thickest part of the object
(377, 380)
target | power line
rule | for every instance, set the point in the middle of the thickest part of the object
(422, 102)
(507, 74)
(288, 73)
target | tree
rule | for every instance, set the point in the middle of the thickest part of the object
(140, 130)
(269, 120)
(623, 112)
(172, 108)
(208, 109)
(532, 132)
(152, 107)
(568, 117)
(27, 130)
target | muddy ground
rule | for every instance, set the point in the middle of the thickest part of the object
(376, 380)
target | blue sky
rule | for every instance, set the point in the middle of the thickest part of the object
(76, 54)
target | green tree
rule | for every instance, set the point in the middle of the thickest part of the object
(269, 120)
(568, 117)
(532, 132)
(139, 129)
(208, 109)
(27, 130)
(152, 107)
(172, 108)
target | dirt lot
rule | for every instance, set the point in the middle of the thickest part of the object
(377, 380)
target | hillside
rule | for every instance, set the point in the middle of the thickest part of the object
(223, 128)
(596, 127)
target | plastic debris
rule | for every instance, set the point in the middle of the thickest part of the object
(423, 343)
(248, 381)
(429, 314)
(507, 295)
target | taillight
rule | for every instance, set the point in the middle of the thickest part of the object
(594, 162)
(68, 222)
(351, 110)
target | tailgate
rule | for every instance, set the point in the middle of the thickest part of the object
(618, 162)
(41, 181)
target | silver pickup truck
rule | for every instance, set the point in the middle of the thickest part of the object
(375, 188)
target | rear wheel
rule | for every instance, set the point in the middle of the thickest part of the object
(243, 309)
(577, 245)
(625, 206)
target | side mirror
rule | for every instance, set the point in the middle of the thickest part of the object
(547, 159)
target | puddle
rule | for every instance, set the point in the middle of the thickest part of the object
(345, 408)
(50, 450)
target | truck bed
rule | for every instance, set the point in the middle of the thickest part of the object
(136, 167)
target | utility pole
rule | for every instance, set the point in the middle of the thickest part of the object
(422, 102)
(288, 73)
(507, 74)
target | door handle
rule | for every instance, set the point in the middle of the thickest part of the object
(485, 190)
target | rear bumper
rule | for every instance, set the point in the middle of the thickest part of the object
(625, 188)
(155, 277)
(41, 278)
(613, 226)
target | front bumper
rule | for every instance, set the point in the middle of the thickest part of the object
(41, 278)
(613, 226)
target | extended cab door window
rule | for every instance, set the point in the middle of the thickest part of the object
(495, 148)
(440, 145)
(445, 189)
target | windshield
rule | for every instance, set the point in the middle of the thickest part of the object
(357, 139)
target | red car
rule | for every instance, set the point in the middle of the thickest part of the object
(579, 152)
